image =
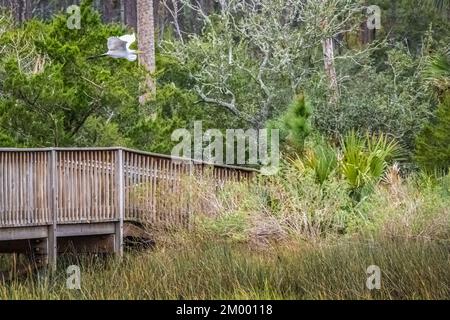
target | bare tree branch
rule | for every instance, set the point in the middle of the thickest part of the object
(256, 54)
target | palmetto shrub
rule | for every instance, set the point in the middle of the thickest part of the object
(365, 160)
(437, 72)
(362, 161)
(322, 159)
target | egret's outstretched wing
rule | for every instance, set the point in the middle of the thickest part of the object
(116, 44)
(129, 39)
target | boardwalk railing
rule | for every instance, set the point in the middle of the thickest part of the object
(71, 186)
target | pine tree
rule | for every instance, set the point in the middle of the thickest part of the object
(146, 35)
(298, 121)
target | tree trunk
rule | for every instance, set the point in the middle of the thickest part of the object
(122, 12)
(146, 36)
(366, 35)
(22, 10)
(329, 65)
(108, 10)
(330, 68)
(130, 12)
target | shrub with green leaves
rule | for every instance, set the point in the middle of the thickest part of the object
(416, 208)
(365, 160)
(433, 143)
(438, 71)
(322, 159)
(377, 95)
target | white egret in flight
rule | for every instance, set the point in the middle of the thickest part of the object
(119, 47)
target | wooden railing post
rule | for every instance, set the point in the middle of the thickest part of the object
(52, 250)
(120, 204)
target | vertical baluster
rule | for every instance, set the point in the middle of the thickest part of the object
(153, 187)
(133, 184)
(41, 205)
(108, 178)
(100, 185)
(60, 187)
(148, 195)
(84, 178)
(36, 215)
(94, 186)
(13, 191)
(2, 191)
(28, 189)
(8, 188)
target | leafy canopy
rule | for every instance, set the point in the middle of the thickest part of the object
(52, 95)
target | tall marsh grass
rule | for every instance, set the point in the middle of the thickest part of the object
(201, 268)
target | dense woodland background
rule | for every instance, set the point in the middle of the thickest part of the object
(123, 11)
(364, 120)
(316, 71)
(397, 14)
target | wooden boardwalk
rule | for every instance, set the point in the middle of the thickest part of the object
(92, 197)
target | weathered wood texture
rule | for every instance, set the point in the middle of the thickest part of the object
(24, 189)
(86, 186)
(152, 189)
(157, 189)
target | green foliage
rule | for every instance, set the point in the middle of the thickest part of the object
(433, 143)
(416, 208)
(365, 160)
(321, 158)
(251, 64)
(407, 21)
(232, 226)
(438, 71)
(362, 161)
(53, 96)
(390, 97)
(298, 122)
(169, 111)
(98, 132)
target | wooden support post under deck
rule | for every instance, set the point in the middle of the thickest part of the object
(51, 240)
(120, 204)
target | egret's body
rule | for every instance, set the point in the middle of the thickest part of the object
(119, 48)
